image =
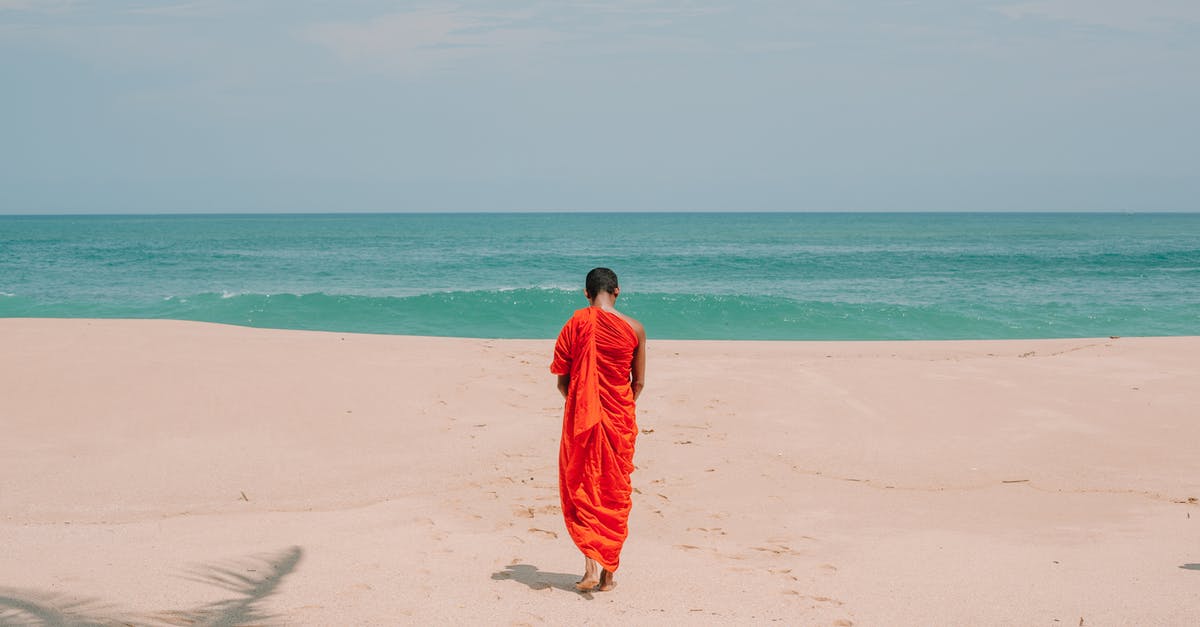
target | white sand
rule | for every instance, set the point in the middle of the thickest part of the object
(412, 480)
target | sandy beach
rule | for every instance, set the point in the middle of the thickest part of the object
(164, 472)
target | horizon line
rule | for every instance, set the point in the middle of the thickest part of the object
(613, 211)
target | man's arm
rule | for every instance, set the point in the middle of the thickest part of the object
(637, 374)
(564, 384)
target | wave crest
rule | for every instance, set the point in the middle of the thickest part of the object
(539, 312)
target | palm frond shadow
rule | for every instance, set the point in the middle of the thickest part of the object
(251, 580)
(30, 607)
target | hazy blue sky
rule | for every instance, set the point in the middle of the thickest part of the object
(291, 105)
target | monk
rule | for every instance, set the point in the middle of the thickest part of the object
(600, 360)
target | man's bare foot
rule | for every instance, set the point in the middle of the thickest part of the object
(606, 581)
(591, 576)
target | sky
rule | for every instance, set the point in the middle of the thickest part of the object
(113, 106)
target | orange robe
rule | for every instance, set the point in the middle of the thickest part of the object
(596, 348)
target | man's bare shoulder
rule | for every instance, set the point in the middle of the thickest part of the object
(634, 324)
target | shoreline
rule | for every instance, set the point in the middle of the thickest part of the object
(386, 478)
(551, 339)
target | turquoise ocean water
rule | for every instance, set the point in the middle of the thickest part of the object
(695, 276)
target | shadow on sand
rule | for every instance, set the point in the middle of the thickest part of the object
(1191, 567)
(250, 580)
(529, 575)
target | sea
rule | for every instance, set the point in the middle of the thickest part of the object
(713, 276)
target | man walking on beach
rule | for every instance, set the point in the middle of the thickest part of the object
(600, 360)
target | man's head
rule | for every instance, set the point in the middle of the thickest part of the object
(600, 280)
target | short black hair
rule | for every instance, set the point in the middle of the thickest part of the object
(600, 280)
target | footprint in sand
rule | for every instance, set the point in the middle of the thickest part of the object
(823, 599)
(779, 549)
(543, 533)
(709, 530)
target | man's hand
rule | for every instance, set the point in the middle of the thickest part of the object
(564, 384)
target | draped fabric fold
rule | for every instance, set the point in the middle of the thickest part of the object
(596, 349)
